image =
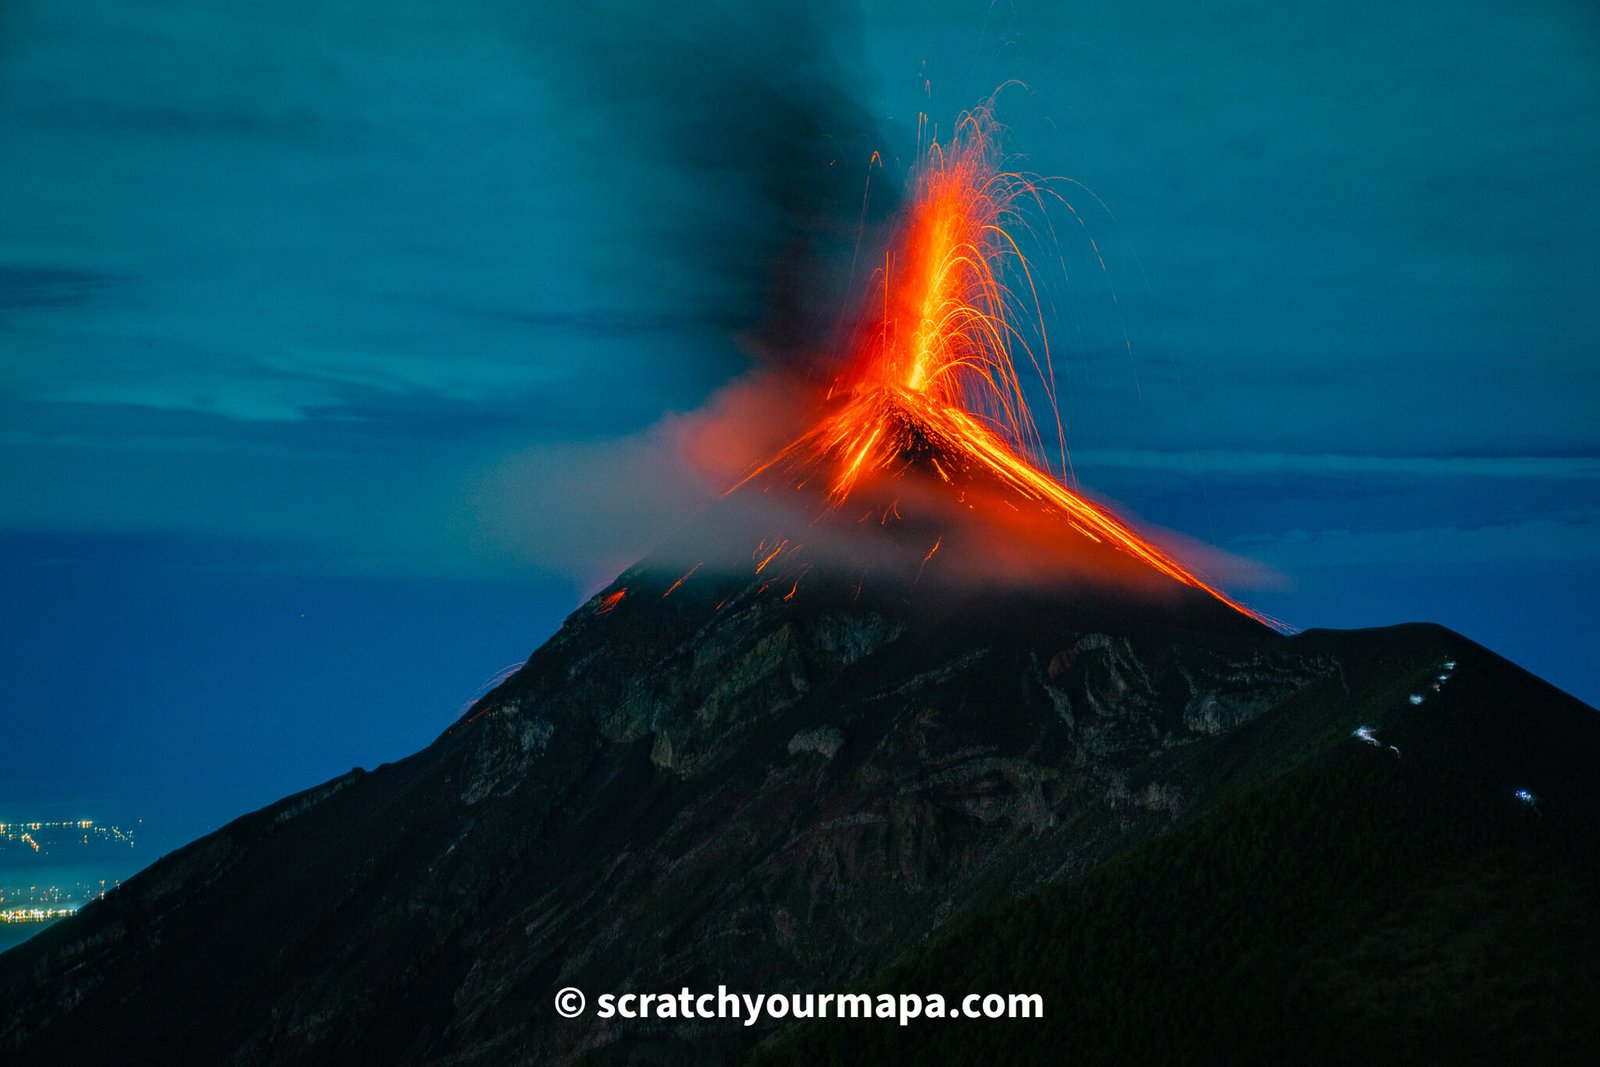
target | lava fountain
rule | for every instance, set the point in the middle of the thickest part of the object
(935, 372)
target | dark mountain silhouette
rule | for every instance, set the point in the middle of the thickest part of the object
(787, 755)
(1339, 904)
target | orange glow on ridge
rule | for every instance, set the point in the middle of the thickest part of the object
(935, 375)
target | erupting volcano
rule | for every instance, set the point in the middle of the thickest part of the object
(813, 746)
(935, 379)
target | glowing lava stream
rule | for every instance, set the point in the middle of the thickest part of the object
(935, 371)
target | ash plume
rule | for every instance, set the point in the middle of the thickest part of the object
(759, 108)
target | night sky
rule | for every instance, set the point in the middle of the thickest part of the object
(345, 347)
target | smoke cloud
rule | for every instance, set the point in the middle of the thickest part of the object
(750, 119)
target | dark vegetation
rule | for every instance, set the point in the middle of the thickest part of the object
(1341, 904)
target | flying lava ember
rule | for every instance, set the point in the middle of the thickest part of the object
(934, 377)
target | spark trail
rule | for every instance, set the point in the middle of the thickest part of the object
(937, 371)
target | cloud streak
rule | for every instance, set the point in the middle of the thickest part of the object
(1575, 467)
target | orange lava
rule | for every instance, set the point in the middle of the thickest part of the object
(687, 575)
(935, 375)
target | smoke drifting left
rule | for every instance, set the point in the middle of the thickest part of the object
(752, 115)
(589, 509)
(758, 108)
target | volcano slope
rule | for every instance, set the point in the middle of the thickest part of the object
(786, 772)
(1434, 902)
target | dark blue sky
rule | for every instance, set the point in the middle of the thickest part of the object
(329, 332)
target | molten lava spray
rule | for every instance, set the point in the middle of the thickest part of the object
(934, 374)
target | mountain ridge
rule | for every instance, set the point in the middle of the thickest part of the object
(774, 770)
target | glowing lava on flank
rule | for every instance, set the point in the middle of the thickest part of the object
(934, 376)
